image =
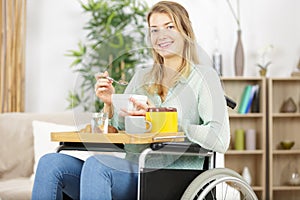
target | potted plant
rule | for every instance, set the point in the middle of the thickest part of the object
(263, 68)
(115, 32)
(264, 61)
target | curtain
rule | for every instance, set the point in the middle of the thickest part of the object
(12, 55)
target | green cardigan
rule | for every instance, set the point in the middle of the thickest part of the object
(202, 114)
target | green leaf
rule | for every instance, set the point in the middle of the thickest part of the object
(108, 22)
(73, 100)
(75, 62)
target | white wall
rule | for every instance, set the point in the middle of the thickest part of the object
(55, 26)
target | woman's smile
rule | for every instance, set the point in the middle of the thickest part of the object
(165, 44)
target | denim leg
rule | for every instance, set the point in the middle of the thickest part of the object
(57, 173)
(107, 177)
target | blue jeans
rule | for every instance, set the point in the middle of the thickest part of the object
(99, 177)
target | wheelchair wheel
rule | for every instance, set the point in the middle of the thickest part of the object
(221, 184)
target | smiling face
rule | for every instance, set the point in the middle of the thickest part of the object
(165, 37)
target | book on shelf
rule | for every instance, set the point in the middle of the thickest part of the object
(256, 101)
(244, 99)
(247, 99)
(254, 90)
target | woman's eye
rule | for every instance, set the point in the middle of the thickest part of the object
(170, 27)
(153, 30)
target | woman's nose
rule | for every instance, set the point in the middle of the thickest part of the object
(162, 33)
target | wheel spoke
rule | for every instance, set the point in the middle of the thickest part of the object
(219, 183)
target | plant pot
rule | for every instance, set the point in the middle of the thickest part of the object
(263, 72)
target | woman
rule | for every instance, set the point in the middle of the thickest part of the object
(177, 79)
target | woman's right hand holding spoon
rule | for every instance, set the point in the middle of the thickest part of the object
(104, 88)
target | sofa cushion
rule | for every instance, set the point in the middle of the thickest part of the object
(16, 189)
(16, 146)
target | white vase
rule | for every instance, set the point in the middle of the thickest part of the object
(246, 175)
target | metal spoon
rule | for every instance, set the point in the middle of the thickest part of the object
(120, 82)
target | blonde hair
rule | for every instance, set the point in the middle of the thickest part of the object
(180, 17)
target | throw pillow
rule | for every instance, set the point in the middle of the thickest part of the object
(44, 145)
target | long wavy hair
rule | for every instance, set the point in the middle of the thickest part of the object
(180, 17)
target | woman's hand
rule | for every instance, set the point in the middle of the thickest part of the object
(104, 88)
(140, 108)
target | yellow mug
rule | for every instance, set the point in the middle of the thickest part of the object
(163, 120)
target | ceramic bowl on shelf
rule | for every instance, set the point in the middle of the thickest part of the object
(287, 144)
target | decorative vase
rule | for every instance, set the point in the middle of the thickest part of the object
(246, 175)
(250, 139)
(217, 61)
(288, 106)
(239, 55)
(239, 139)
(290, 174)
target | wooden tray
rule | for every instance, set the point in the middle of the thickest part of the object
(143, 138)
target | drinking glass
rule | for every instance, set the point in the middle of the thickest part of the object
(99, 122)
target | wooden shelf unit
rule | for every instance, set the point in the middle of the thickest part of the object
(255, 160)
(283, 126)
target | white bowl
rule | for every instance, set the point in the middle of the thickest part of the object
(121, 101)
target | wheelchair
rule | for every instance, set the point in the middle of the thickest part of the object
(209, 183)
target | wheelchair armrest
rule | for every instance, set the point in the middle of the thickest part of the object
(186, 147)
(230, 103)
(179, 148)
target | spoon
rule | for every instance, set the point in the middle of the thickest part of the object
(120, 82)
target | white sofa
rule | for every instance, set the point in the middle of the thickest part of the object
(19, 147)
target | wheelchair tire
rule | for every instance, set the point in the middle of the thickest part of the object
(219, 183)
